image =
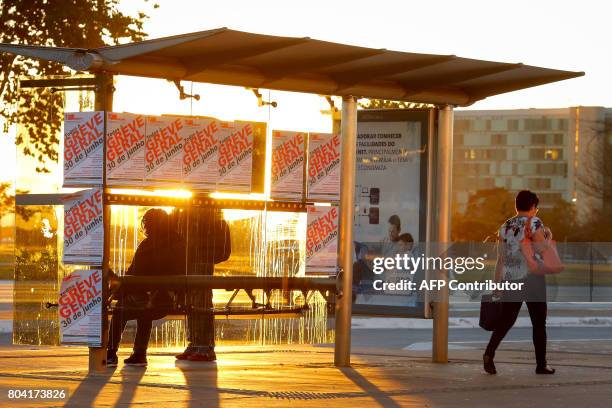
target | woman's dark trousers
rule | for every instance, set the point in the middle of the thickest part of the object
(534, 294)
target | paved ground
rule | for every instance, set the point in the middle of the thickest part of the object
(391, 367)
(305, 376)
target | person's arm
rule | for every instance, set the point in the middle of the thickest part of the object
(499, 265)
(538, 236)
(131, 270)
(139, 260)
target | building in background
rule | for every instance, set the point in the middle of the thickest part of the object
(557, 153)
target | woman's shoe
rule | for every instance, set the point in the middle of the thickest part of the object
(137, 360)
(488, 365)
(200, 355)
(185, 354)
(546, 369)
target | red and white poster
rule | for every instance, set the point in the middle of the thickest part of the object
(80, 308)
(236, 157)
(324, 166)
(83, 148)
(125, 149)
(288, 158)
(83, 227)
(322, 240)
(164, 151)
(201, 152)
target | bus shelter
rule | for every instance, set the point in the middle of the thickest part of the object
(228, 57)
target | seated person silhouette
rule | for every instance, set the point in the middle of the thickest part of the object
(362, 271)
(207, 239)
(162, 252)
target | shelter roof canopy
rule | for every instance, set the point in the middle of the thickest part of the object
(229, 57)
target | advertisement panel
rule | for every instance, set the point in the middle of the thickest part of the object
(125, 149)
(324, 166)
(288, 160)
(390, 195)
(236, 156)
(201, 152)
(80, 308)
(164, 150)
(322, 240)
(83, 227)
(83, 148)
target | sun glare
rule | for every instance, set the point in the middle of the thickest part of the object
(238, 196)
(178, 193)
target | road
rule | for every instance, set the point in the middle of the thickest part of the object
(462, 338)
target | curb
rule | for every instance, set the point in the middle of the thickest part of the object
(472, 322)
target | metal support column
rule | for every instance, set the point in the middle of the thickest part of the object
(342, 352)
(441, 231)
(103, 102)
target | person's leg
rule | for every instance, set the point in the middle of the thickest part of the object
(202, 328)
(509, 313)
(537, 313)
(141, 342)
(143, 333)
(208, 321)
(191, 324)
(116, 330)
(196, 324)
(117, 326)
(127, 309)
(203, 320)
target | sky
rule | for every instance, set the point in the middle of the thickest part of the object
(555, 34)
(560, 34)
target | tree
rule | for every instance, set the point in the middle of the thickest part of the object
(594, 179)
(561, 218)
(7, 199)
(60, 23)
(486, 210)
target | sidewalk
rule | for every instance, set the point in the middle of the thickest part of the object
(305, 376)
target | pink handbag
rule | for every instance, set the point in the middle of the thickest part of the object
(549, 262)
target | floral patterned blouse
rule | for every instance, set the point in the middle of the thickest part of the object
(511, 233)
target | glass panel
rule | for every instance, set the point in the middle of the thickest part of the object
(37, 274)
(264, 243)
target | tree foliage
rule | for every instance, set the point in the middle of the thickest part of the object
(562, 219)
(595, 181)
(486, 210)
(7, 199)
(60, 23)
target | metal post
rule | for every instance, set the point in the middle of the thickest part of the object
(103, 102)
(430, 233)
(442, 227)
(590, 272)
(342, 351)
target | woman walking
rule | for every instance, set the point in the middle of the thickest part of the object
(512, 266)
